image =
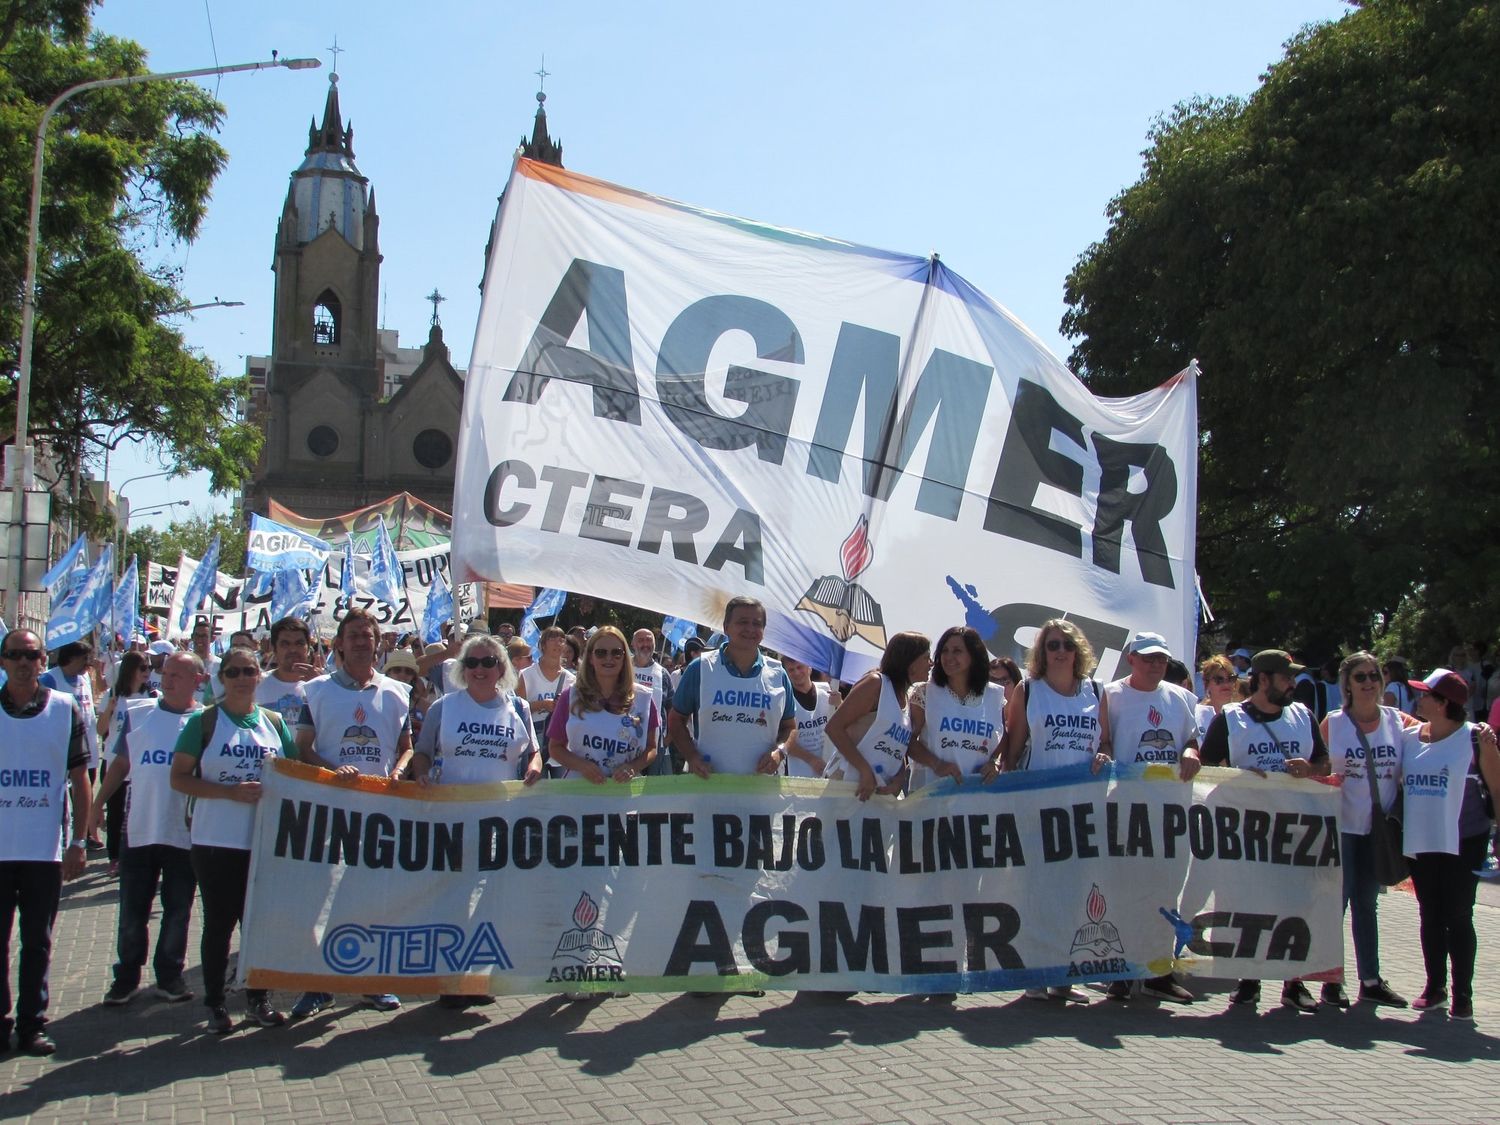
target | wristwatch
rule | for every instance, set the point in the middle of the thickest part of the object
(80, 843)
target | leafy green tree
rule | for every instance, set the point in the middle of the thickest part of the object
(1325, 248)
(191, 537)
(128, 170)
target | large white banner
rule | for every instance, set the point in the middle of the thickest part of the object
(670, 406)
(364, 885)
(240, 603)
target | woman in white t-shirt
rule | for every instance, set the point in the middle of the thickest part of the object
(542, 683)
(871, 732)
(601, 726)
(958, 716)
(1450, 772)
(1052, 720)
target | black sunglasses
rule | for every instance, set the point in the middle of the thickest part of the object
(237, 671)
(481, 661)
(22, 654)
(1365, 677)
(1057, 643)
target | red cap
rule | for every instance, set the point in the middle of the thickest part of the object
(1445, 685)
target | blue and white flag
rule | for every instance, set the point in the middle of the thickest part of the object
(439, 609)
(125, 611)
(291, 595)
(346, 579)
(387, 579)
(202, 586)
(676, 630)
(273, 546)
(547, 603)
(85, 605)
(532, 636)
(59, 579)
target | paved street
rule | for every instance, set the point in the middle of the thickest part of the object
(681, 1059)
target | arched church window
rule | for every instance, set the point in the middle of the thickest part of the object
(326, 316)
(432, 449)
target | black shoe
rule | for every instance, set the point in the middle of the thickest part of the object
(261, 1013)
(1461, 1009)
(119, 995)
(1380, 993)
(219, 1022)
(174, 991)
(1294, 994)
(1119, 990)
(1248, 992)
(38, 1043)
(93, 846)
(1334, 996)
(1165, 988)
(455, 1003)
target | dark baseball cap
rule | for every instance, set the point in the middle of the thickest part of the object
(1275, 660)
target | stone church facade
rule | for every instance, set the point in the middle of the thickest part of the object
(334, 439)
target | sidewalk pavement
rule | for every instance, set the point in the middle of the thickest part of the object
(679, 1059)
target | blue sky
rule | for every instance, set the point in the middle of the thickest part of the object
(993, 133)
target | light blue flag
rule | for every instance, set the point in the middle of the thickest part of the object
(346, 578)
(547, 603)
(272, 546)
(532, 636)
(85, 605)
(291, 596)
(126, 608)
(387, 579)
(439, 609)
(59, 579)
(201, 588)
(676, 630)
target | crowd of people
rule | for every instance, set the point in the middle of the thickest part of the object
(186, 732)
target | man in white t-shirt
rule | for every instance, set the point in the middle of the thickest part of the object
(1143, 721)
(157, 851)
(356, 721)
(650, 674)
(282, 690)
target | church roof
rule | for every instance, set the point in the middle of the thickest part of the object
(328, 189)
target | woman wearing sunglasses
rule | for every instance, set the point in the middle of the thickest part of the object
(1054, 719)
(1219, 683)
(482, 733)
(1364, 733)
(1450, 773)
(601, 727)
(220, 769)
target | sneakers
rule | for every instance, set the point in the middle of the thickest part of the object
(1119, 990)
(1036, 994)
(1380, 993)
(1334, 995)
(1294, 994)
(260, 1013)
(1068, 993)
(1248, 992)
(172, 991)
(1461, 1009)
(310, 1004)
(119, 995)
(219, 1022)
(1430, 999)
(1165, 988)
(381, 1002)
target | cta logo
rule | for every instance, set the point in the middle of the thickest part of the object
(592, 951)
(440, 947)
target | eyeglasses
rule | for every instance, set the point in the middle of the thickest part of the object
(1221, 679)
(610, 653)
(22, 654)
(239, 670)
(1003, 681)
(481, 661)
(1365, 677)
(1057, 644)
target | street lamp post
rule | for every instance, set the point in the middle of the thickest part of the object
(153, 510)
(19, 466)
(18, 457)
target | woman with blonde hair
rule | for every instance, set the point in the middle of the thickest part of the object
(601, 727)
(1219, 682)
(1053, 720)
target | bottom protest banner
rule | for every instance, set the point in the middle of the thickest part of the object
(669, 884)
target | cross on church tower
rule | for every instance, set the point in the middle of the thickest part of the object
(542, 74)
(436, 298)
(335, 51)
